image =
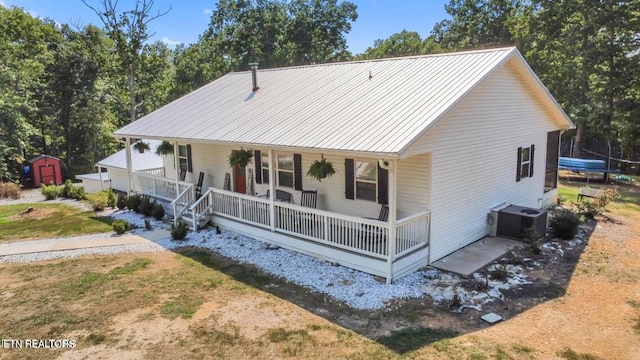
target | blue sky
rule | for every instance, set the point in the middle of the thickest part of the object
(377, 19)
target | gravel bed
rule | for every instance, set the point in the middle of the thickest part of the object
(355, 288)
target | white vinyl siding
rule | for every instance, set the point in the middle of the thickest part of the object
(473, 154)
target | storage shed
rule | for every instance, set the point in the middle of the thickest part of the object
(45, 169)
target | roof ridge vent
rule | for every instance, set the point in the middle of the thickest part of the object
(254, 76)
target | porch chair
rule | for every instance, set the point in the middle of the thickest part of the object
(309, 198)
(375, 239)
(199, 185)
(183, 174)
(280, 196)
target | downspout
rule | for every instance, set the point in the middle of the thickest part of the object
(391, 167)
(127, 146)
(272, 191)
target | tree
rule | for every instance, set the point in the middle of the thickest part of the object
(404, 43)
(129, 32)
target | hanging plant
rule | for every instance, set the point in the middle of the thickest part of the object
(165, 148)
(240, 157)
(141, 146)
(321, 169)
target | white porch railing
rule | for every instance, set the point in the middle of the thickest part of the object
(365, 236)
(157, 186)
(183, 202)
(155, 171)
(201, 208)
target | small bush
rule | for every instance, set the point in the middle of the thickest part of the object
(50, 192)
(145, 206)
(499, 273)
(98, 200)
(66, 189)
(78, 193)
(133, 202)
(120, 226)
(157, 211)
(147, 224)
(111, 196)
(121, 203)
(588, 209)
(9, 190)
(564, 224)
(179, 232)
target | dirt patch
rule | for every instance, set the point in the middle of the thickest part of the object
(32, 214)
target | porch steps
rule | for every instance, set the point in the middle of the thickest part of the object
(187, 217)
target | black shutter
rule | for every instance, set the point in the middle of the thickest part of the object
(533, 149)
(297, 172)
(257, 159)
(383, 186)
(189, 163)
(518, 173)
(349, 179)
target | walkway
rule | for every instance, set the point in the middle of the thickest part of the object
(79, 242)
(472, 257)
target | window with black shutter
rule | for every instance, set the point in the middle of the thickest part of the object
(366, 180)
(525, 162)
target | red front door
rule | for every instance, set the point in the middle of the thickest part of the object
(240, 176)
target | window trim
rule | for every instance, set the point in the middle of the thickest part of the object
(356, 180)
(525, 167)
(186, 157)
(264, 166)
(279, 170)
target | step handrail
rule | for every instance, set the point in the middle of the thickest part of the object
(201, 207)
(182, 202)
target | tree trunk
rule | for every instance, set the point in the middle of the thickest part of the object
(577, 143)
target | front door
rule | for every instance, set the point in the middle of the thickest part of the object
(240, 179)
(47, 175)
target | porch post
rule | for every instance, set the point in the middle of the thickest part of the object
(127, 146)
(100, 177)
(393, 207)
(272, 191)
(176, 166)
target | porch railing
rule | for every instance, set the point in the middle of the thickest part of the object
(183, 202)
(201, 208)
(155, 171)
(366, 236)
(157, 186)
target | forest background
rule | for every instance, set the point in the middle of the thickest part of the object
(64, 89)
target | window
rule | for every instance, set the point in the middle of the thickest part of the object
(264, 162)
(366, 180)
(183, 159)
(525, 162)
(285, 170)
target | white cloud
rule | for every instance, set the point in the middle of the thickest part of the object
(170, 42)
(208, 11)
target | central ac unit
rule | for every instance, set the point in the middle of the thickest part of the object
(513, 220)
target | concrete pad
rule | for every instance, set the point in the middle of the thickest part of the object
(156, 234)
(491, 318)
(472, 257)
(35, 246)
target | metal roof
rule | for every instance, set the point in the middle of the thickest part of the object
(377, 106)
(144, 161)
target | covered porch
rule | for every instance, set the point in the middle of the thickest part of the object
(389, 249)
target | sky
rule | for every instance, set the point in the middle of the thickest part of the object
(377, 19)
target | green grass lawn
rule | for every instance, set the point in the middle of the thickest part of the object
(628, 201)
(48, 220)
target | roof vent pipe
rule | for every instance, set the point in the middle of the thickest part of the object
(254, 76)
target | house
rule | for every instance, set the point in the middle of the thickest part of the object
(439, 139)
(116, 176)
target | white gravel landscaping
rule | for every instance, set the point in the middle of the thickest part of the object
(357, 289)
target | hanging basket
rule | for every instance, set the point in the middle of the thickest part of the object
(141, 146)
(240, 157)
(165, 148)
(321, 169)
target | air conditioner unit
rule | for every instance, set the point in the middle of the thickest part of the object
(513, 220)
(492, 219)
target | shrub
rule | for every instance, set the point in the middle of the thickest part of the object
(50, 192)
(179, 232)
(120, 226)
(133, 202)
(145, 206)
(66, 189)
(98, 200)
(588, 209)
(564, 224)
(147, 224)
(121, 203)
(111, 196)
(78, 193)
(157, 211)
(9, 190)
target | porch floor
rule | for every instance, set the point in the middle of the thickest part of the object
(476, 255)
